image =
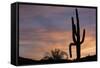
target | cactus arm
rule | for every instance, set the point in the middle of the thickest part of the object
(83, 37)
(73, 26)
(70, 48)
(73, 30)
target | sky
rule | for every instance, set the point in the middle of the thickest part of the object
(43, 28)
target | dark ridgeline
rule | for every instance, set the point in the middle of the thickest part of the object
(76, 36)
(27, 61)
(55, 56)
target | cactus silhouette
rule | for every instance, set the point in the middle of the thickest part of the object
(76, 36)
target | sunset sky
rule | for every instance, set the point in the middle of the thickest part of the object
(43, 28)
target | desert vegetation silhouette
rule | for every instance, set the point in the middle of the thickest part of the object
(56, 55)
(76, 36)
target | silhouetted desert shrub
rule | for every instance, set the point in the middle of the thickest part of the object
(55, 54)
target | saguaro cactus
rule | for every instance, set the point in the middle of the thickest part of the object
(76, 36)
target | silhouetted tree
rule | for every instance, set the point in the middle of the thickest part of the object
(55, 54)
(76, 36)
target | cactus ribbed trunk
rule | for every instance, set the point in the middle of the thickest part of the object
(76, 36)
(78, 51)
